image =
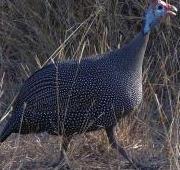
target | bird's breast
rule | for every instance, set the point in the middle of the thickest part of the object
(127, 90)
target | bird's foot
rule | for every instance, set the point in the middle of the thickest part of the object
(62, 163)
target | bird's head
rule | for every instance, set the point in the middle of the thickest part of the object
(157, 11)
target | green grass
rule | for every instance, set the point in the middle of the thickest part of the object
(33, 33)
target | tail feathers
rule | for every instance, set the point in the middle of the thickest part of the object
(6, 132)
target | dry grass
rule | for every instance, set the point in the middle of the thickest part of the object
(31, 31)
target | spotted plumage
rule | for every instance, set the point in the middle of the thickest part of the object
(73, 97)
(83, 96)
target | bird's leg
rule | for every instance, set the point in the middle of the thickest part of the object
(65, 143)
(62, 161)
(65, 140)
(114, 144)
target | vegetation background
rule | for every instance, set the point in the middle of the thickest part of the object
(34, 32)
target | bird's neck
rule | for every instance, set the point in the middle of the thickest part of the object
(132, 54)
(137, 47)
(130, 57)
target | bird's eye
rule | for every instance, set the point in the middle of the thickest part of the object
(160, 7)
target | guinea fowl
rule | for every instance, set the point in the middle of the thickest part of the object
(73, 97)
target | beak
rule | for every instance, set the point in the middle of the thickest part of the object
(171, 10)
